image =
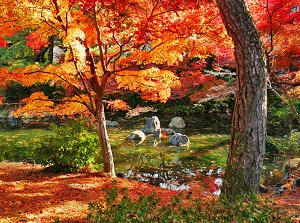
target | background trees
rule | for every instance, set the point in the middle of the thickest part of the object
(110, 45)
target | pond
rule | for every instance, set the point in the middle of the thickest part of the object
(156, 161)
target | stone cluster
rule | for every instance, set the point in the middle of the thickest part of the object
(152, 127)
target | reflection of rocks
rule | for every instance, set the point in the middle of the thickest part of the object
(177, 122)
(152, 125)
(153, 142)
(179, 139)
(137, 136)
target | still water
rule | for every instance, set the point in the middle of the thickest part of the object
(157, 162)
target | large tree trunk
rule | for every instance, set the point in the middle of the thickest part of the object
(106, 150)
(248, 134)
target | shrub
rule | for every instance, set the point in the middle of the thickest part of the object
(68, 147)
(122, 208)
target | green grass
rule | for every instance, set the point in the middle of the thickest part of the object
(204, 151)
(16, 144)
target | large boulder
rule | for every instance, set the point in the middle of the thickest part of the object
(177, 122)
(179, 139)
(137, 136)
(152, 125)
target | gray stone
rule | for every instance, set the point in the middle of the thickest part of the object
(137, 135)
(296, 182)
(111, 123)
(152, 125)
(179, 139)
(177, 122)
(168, 131)
(157, 133)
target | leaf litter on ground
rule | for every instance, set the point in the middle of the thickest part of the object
(29, 194)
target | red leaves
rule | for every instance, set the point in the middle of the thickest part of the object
(35, 41)
(3, 43)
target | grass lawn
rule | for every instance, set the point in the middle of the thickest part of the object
(16, 144)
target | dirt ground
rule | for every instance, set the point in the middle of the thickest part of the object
(28, 194)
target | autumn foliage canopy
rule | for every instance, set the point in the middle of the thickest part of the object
(123, 45)
(142, 46)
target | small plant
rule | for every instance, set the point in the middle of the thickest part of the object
(67, 148)
(120, 207)
(290, 144)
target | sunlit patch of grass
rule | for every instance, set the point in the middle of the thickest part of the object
(204, 149)
(15, 144)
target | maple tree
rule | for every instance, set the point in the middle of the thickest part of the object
(278, 23)
(110, 45)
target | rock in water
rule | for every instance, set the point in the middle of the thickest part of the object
(152, 125)
(179, 139)
(177, 122)
(138, 136)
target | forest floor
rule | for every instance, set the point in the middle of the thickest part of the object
(29, 194)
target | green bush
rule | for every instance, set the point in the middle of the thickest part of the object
(68, 147)
(290, 145)
(122, 208)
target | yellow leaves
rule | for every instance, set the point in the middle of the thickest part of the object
(152, 83)
(116, 105)
(74, 40)
(31, 75)
(36, 104)
(170, 53)
(4, 76)
(64, 73)
(71, 106)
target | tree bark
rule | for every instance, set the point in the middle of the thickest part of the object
(248, 133)
(106, 150)
(98, 111)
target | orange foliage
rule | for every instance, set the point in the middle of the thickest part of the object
(133, 44)
(37, 104)
(115, 105)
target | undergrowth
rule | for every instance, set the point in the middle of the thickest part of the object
(120, 207)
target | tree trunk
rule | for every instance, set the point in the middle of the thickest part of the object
(248, 133)
(106, 150)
